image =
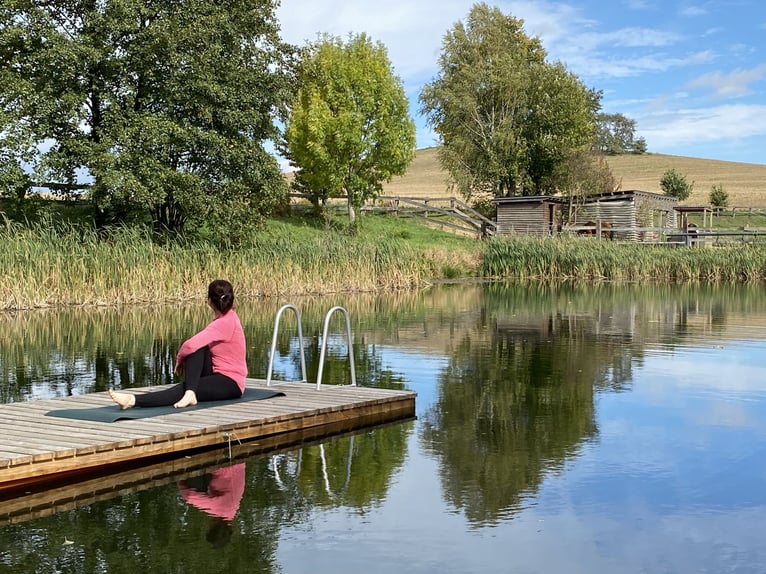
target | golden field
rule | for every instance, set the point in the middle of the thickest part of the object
(744, 182)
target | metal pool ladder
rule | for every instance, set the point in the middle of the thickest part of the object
(329, 314)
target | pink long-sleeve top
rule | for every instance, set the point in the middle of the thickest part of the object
(224, 493)
(226, 340)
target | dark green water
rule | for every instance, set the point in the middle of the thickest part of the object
(596, 429)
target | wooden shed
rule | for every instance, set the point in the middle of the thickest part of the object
(635, 215)
(529, 215)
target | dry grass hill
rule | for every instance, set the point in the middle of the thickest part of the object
(744, 182)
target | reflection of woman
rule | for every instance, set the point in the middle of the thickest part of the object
(212, 361)
(218, 494)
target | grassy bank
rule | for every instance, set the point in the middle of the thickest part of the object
(59, 265)
(47, 264)
(587, 259)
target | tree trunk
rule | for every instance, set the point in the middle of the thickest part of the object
(351, 212)
(167, 217)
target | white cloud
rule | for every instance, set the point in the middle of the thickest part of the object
(690, 126)
(693, 11)
(411, 31)
(639, 4)
(742, 50)
(732, 85)
(629, 38)
(596, 65)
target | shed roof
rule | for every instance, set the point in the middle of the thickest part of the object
(625, 194)
(529, 199)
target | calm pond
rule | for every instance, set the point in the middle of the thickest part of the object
(579, 429)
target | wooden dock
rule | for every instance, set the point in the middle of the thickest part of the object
(36, 449)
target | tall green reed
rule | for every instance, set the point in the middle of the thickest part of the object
(588, 259)
(58, 264)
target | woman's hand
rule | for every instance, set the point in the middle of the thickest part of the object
(179, 369)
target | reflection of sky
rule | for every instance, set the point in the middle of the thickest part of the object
(420, 372)
(673, 483)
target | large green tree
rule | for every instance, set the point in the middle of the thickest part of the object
(349, 129)
(505, 116)
(163, 106)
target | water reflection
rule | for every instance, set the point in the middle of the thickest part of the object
(561, 427)
(218, 494)
(238, 508)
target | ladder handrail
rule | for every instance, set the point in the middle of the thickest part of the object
(274, 343)
(348, 342)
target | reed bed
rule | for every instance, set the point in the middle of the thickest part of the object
(45, 265)
(588, 259)
(51, 264)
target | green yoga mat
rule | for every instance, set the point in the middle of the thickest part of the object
(112, 412)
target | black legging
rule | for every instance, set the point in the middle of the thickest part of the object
(198, 377)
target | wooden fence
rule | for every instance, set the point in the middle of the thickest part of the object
(662, 236)
(448, 212)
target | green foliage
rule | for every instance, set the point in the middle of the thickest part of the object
(349, 130)
(718, 196)
(639, 146)
(615, 135)
(165, 106)
(675, 185)
(505, 116)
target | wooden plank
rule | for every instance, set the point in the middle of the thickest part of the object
(33, 445)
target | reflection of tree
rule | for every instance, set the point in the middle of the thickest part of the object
(516, 400)
(155, 531)
(66, 351)
(509, 409)
(151, 532)
(353, 471)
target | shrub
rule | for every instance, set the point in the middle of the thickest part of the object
(675, 185)
(718, 197)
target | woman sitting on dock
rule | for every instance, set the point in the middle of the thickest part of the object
(212, 361)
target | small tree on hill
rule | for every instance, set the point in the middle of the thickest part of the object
(675, 185)
(718, 196)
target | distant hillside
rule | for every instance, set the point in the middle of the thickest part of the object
(744, 182)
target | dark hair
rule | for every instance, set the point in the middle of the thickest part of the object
(221, 295)
(218, 532)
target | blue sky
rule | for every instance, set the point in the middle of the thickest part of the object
(692, 73)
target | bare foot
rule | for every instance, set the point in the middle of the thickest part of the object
(125, 400)
(188, 400)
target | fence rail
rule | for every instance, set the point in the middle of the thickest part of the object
(446, 212)
(697, 237)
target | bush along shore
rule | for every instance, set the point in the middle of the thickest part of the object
(58, 265)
